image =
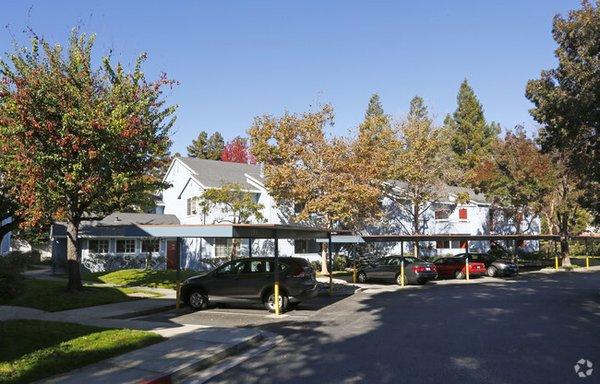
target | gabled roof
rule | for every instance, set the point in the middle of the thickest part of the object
(213, 173)
(448, 190)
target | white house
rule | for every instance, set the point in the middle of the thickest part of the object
(5, 240)
(117, 241)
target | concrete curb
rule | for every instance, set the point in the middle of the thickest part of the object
(145, 312)
(230, 362)
(194, 366)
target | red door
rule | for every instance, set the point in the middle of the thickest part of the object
(172, 259)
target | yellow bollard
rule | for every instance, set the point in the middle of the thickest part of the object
(276, 292)
(402, 274)
(556, 263)
(354, 274)
(587, 263)
(178, 295)
(467, 268)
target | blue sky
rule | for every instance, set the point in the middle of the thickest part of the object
(236, 60)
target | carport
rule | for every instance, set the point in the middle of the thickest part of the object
(274, 232)
(465, 240)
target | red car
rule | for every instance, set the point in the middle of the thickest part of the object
(453, 266)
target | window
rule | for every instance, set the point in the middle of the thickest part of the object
(151, 245)
(192, 206)
(442, 244)
(223, 247)
(98, 246)
(462, 214)
(259, 266)
(232, 268)
(463, 244)
(450, 244)
(125, 246)
(306, 246)
(442, 214)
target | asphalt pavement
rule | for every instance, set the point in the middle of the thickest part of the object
(532, 329)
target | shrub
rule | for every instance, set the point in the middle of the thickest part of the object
(316, 265)
(11, 266)
(340, 262)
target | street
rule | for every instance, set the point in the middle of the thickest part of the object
(532, 329)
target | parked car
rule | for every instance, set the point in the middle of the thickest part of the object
(416, 271)
(454, 266)
(494, 266)
(252, 280)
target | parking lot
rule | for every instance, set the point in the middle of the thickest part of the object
(530, 329)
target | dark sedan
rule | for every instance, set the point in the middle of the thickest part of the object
(416, 271)
(252, 280)
(494, 267)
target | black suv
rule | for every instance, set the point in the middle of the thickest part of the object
(252, 280)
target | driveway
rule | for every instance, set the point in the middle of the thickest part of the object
(528, 330)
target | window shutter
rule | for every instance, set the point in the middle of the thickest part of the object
(189, 207)
(462, 214)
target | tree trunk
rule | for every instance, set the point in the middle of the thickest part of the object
(73, 251)
(564, 242)
(324, 261)
(416, 229)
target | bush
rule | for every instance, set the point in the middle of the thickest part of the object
(316, 265)
(340, 262)
(11, 267)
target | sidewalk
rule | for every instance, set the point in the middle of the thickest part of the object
(189, 348)
(168, 361)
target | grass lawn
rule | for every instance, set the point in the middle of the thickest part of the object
(34, 349)
(138, 277)
(53, 296)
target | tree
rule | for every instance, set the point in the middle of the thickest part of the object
(77, 140)
(560, 207)
(238, 206)
(422, 166)
(374, 108)
(470, 136)
(516, 178)
(198, 148)
(316, 180)
(237, 151)
(215, 146)
(205, 147)
(566, 100)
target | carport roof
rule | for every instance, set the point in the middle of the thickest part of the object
(255, 231)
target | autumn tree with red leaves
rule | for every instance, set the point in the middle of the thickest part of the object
(237, 151)
(78, 140)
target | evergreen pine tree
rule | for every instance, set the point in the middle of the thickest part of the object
(215, 146)
(471, 136)
(198, 147)
(374, 108)
(418, 110)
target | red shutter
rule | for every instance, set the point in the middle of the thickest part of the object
(463, 244)
(462, 214)
(439, 244)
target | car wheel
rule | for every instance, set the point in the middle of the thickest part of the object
(459, 275)
(270, 302)
(197, 300)
(362, 277)
(492, 271)
(399, 279)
